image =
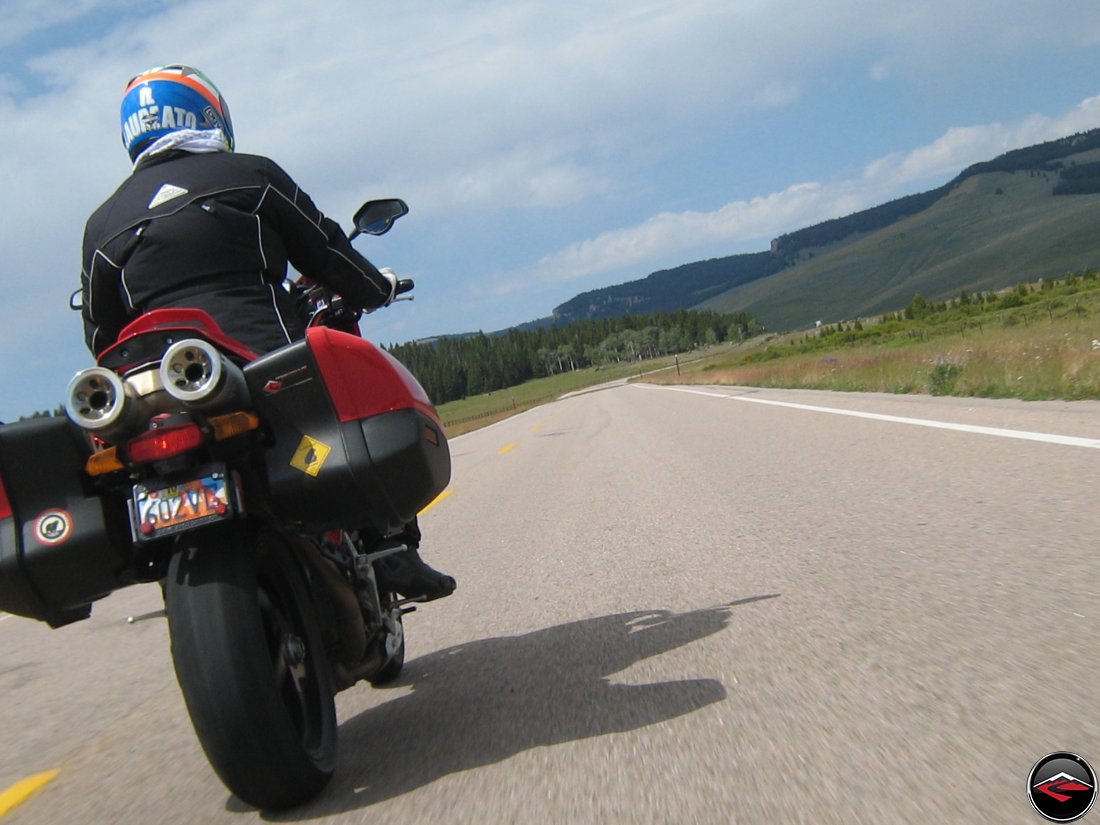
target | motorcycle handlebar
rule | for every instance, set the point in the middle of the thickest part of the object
(319, 304)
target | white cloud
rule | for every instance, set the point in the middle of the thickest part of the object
(566, 115)
(802, 204)
(777, 94)
(880, 71)
(671, 232)
(962, 146)
(543, 177)
(23, 18)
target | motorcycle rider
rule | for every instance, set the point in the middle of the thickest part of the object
(198, 225)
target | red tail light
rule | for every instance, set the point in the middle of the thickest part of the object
(5, 505)
(164, 442)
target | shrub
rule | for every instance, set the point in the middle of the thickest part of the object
(943, 377)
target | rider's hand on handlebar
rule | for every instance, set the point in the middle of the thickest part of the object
(390, 276)
(398, 286)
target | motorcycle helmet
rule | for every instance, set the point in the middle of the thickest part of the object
(169, 98)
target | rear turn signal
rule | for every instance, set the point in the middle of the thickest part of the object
(231, 424)
(103, 462)
(164, 442)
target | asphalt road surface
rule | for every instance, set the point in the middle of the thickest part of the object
(674, 606)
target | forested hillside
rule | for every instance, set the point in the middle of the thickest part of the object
(992, 231)
(1043, 157)
(1081, 179)
(457, 367)
(669, 289)
(1064, 165)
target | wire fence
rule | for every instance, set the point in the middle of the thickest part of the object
(527, 403)
(513, 406)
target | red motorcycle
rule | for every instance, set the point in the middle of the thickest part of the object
(259, 492)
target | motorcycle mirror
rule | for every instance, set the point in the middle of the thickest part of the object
(377, 217)
(76, 300)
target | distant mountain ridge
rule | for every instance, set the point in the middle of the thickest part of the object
(1028, 213)
(669, 289)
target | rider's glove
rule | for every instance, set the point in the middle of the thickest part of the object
(391, 276)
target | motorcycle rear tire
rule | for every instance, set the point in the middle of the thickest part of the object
(252, 668)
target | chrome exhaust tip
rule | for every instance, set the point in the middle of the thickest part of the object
(97, 400)
(196, 373)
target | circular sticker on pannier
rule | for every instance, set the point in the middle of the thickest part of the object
(53, 527)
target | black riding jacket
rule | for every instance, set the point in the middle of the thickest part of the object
(214, 232)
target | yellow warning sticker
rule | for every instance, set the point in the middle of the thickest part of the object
(310, 455)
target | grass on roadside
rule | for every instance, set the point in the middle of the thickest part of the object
(1041, 343)
(481, 410)
(1045, 348)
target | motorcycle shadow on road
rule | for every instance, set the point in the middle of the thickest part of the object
(482, 702)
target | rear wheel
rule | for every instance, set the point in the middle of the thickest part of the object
(252, 667)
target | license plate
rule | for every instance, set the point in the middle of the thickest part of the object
(163, 509)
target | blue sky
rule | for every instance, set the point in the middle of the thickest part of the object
(544, 148)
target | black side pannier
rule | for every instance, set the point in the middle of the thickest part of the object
(357, 442)
(57, 554)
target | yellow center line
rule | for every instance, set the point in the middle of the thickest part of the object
(23, 790)
(444, 495)
(537, 427)
(507, 448)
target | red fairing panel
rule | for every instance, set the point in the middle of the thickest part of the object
(5, 505)
(364, 380)
(182, 318)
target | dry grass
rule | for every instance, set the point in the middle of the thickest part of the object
(475, 412)
(1047, 348)
(1040, 361)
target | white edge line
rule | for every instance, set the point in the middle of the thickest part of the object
(1023, 435)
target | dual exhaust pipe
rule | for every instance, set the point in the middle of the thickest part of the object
(193, 372)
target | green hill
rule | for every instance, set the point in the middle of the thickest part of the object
(669, 289)
(1027, 214)
(993, 230)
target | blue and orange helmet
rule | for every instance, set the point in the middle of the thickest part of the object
(169, 98)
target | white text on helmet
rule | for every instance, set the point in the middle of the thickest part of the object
(150, 118)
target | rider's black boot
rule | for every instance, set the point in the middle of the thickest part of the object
(408, 574)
